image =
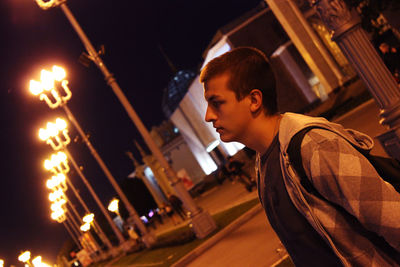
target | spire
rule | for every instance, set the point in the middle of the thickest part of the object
(170, 64)
(142, 152)
(130, 155)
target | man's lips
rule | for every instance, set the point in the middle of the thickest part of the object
(218, 129)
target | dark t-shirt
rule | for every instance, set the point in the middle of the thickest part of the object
(304, 245)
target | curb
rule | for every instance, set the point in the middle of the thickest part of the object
(185, 260)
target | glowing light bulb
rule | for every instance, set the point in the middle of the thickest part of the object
(113, 206)
(52, 129)
(85, 227)
(88, 218)
(25, 256)
(43, 134)
(61, 156)
(35, 87)
(61, 124)
(47, 79)
(48, 164)
(59, 73)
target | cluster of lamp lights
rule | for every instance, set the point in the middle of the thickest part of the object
(46, 87)
(58, 165)
(87, 219)
(36, 262)
(56, 134)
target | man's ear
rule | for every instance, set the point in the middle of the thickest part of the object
(255, 100)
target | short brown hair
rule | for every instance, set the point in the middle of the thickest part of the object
(249, 69)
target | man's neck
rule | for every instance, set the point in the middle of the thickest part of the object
(262, 132)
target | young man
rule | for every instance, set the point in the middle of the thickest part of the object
(352, 218)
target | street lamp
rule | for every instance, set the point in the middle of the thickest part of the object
(56, 134)
(85, 227)
(58, 200)
(46, 88)
(37, 262)
(88, 218)
(113, 206)
(25, 257)
(203, 223)
(58, 164)
(57, 181)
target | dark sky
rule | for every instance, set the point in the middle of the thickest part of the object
(131, 31)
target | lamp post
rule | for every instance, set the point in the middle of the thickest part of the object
(203, 223)
(52, 137)
(53, 89)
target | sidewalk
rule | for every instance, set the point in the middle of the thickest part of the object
(217, 199)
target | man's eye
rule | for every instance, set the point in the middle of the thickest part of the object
(216, 103)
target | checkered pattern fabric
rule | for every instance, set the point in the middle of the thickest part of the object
(355, 200)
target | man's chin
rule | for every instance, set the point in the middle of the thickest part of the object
(225, 138)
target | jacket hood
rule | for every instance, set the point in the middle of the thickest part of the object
(292, 123)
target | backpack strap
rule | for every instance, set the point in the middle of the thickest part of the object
(294, 152)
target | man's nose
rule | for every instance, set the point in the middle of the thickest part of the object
(210, 115)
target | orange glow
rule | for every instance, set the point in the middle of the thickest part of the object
(59, 73)
(47, 79)
(24, 256)
(35, 87)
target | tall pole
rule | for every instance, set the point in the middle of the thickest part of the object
(74, 224)
(72, 234)
(147, 237)
(202, 222)
(354, 42)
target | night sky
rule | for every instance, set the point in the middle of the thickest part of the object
(132, 32)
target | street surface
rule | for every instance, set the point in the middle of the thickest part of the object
(252, 244)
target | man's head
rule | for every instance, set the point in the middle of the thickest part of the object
(384, 47)
(248, 68)
(239, 87)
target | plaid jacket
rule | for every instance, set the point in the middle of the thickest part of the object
(362, 200)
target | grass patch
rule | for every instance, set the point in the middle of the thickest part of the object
(173, 245)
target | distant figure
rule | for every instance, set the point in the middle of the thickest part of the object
(235, 168)
(176, 204)
(391, 58)
(224, 173)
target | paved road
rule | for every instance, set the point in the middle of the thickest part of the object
(252, 244)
